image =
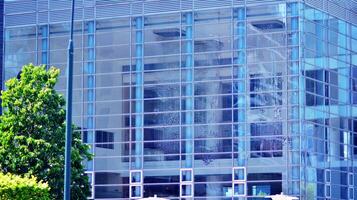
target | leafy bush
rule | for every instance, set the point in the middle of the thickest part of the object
(14, 187)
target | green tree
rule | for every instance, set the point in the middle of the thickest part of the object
(32, 132)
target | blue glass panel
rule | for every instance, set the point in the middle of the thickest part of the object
(292, 9)
(159, 148)
(353, 31)
(264, 11)
(213, 189)
(239, 189)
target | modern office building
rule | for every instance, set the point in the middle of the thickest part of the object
(204, 99)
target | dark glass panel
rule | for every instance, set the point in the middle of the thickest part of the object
(102, 178)
(112, 192)
(162, 190)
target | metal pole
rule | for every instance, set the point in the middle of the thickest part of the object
(67, 171)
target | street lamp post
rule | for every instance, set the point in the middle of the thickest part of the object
(67, 170)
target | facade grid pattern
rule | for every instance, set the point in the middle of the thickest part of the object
(233, 101)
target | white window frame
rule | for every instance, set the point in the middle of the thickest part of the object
(92, 185)
(244, 190)
(135, 184)
(244, 174)
(327, 171)
(351, 179)
(186, 184)
(327, 194)
(131, 191)
(181, 175)
(349, 189)
(131, 177)
(240, 182)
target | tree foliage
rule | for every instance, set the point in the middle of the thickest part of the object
(14, 187)
(32, 132)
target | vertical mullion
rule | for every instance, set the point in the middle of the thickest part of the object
(139, 91)
(189, 102)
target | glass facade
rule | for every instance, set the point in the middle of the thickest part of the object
(208, 100)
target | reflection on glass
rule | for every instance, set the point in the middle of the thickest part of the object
(266, 146)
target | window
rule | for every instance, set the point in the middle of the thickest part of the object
(161, 147)
(87, 136)
(239, 181)
(136, 177)
(110, 178)
(321, 87)
(265, 99)
(186, 175)
(265, 91)
(266, 11)
(262, 184)
(105, 138)
(328, 176)
(136, 182)
(328, 191)
(136, 191)
(266, 84)
(354, 85)
(266, 140)
(90, 179)
(186, 186)
(350, 179)
(239, 189)
(354, 137)
(186, 190)
(239, 174)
